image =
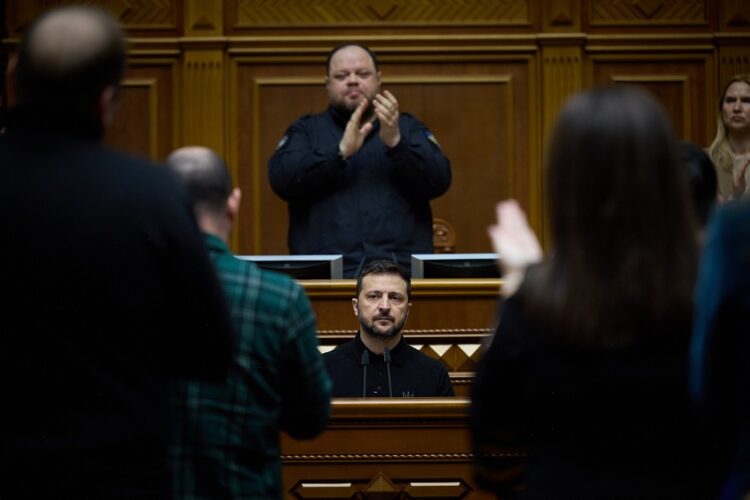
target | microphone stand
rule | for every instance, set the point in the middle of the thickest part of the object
(365, 362)
(387, 359)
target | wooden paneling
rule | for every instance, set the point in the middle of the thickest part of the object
(248, 14)
(648, 12)
(418, 448)
(145, 120)
(680, 82)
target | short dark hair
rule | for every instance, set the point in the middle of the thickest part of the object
(351, 44)
(204, 175)
(704, 185)
(384, 266)
(65, 75)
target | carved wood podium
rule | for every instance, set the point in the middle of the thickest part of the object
(387, 449)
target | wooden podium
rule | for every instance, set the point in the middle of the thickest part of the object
(387, 449)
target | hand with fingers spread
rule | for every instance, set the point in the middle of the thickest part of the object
(386, 110)
(515, 243)
(354, 133)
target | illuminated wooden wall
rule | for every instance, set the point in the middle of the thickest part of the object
(487, 77)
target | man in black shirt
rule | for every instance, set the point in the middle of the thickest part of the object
(359, 176)
(379, 362)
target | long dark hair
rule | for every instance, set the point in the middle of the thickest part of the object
(624, 244)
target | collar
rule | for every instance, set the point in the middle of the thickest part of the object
(398, 353)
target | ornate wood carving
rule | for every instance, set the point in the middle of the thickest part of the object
(561, 15)
(732, 61)
(133, 14)
(647, 12)
(204, 18)
(260, 13)
(735, 14)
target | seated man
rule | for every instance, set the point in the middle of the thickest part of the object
(226, 437)
(379, 362)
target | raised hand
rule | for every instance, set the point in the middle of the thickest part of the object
(515, 243)
(354, 133)
(386, 110)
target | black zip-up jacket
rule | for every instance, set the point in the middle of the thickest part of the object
(374, 205)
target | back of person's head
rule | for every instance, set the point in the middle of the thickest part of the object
(205, 177)
(704, 184)
(623, 233)
(66, 59)
(384, 266)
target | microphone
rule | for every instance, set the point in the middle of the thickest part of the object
(387, 359)
(365, 361)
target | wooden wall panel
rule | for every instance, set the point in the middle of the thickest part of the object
(648, 12)
(253, 14)
(680, 83)
(145, 120)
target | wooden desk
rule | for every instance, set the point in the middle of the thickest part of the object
(387, 448)
(450, 320)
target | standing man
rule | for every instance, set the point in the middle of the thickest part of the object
(110, 296)
(359, 176)
(379, 362)
(227, 437)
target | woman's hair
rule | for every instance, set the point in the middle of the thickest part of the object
(624, 246)
(720, 150)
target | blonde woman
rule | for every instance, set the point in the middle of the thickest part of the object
(730, 150)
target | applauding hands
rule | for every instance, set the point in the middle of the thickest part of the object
(386, 111)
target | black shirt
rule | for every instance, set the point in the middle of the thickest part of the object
(374, 205)
(413, 374)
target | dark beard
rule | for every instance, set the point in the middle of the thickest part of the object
(373, 331)
(346, 113)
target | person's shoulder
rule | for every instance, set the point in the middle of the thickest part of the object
(277, 291)
(312, 118)
(342, 352)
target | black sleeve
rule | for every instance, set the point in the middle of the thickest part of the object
(419, 164)
(497, 405)
(300, 166)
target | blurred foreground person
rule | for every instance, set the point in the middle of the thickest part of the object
(588, 367)
(720, 354)
(226, 441)
(110, 294)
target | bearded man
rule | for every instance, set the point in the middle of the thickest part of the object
(379, 362)
(359, 176)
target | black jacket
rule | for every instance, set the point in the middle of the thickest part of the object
(413, 374)
(375, 205)
(111, 296)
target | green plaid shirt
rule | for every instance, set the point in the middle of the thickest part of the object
(226, 437)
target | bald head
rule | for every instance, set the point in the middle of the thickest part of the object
(67, 57)
(205, 175)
